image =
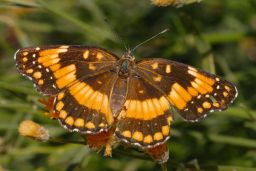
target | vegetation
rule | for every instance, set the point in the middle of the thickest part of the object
(218, 36)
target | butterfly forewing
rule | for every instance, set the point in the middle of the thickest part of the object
(192, 92)
(53, 68)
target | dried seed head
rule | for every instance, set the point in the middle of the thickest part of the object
(33, 130)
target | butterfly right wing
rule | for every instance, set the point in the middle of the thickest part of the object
(194, 93)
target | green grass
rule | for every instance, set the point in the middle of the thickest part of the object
(215, 35)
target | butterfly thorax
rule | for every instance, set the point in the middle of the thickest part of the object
(126, 63)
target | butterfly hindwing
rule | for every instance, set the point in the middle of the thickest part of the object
(145, 119)
(53, 68)
(192, 92)
(84, 106)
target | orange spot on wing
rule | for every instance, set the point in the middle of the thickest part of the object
(25, 53)
(154, 65)
(25, 59)
(182, 92)
(59, 105)
(98, 101)
(152, 112)
(55, 67)
(227, 88)
(86, 54)
(164, 103)
(158, 136)
(37, 75)
(192, 91)
(200, 110)
(40, 82)
(65, 70)
(168, 69)
(29, 71)
(90, 125)
(99, 56)
(198, 88)
(65, 80)
(76, 87)
(69, 120)
(203, 85)
(131, 109)
(148, 139)
(44, 59)
(63, 114)
(60, 96)
(225, 94)
(165, 130)
(177, 100)
(51, 62)
(52, 51)
(137, 136)
(201, 77)
(207, 105)
(145, 110)
(216, 104)
(127, 134)
(157, 105)
(92, 66)
(79, 122)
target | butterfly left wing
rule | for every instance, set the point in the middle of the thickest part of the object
(194, 93)
(79, 78)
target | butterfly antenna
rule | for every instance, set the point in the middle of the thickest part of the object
(117, 36)
(162, 32)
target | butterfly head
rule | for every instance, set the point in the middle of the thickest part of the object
(128, 56)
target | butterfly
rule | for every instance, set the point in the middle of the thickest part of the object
(94, 90)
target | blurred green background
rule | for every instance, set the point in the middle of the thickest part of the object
(218, 36)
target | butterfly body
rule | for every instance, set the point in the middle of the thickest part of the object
(96, 91)
(125, 67)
